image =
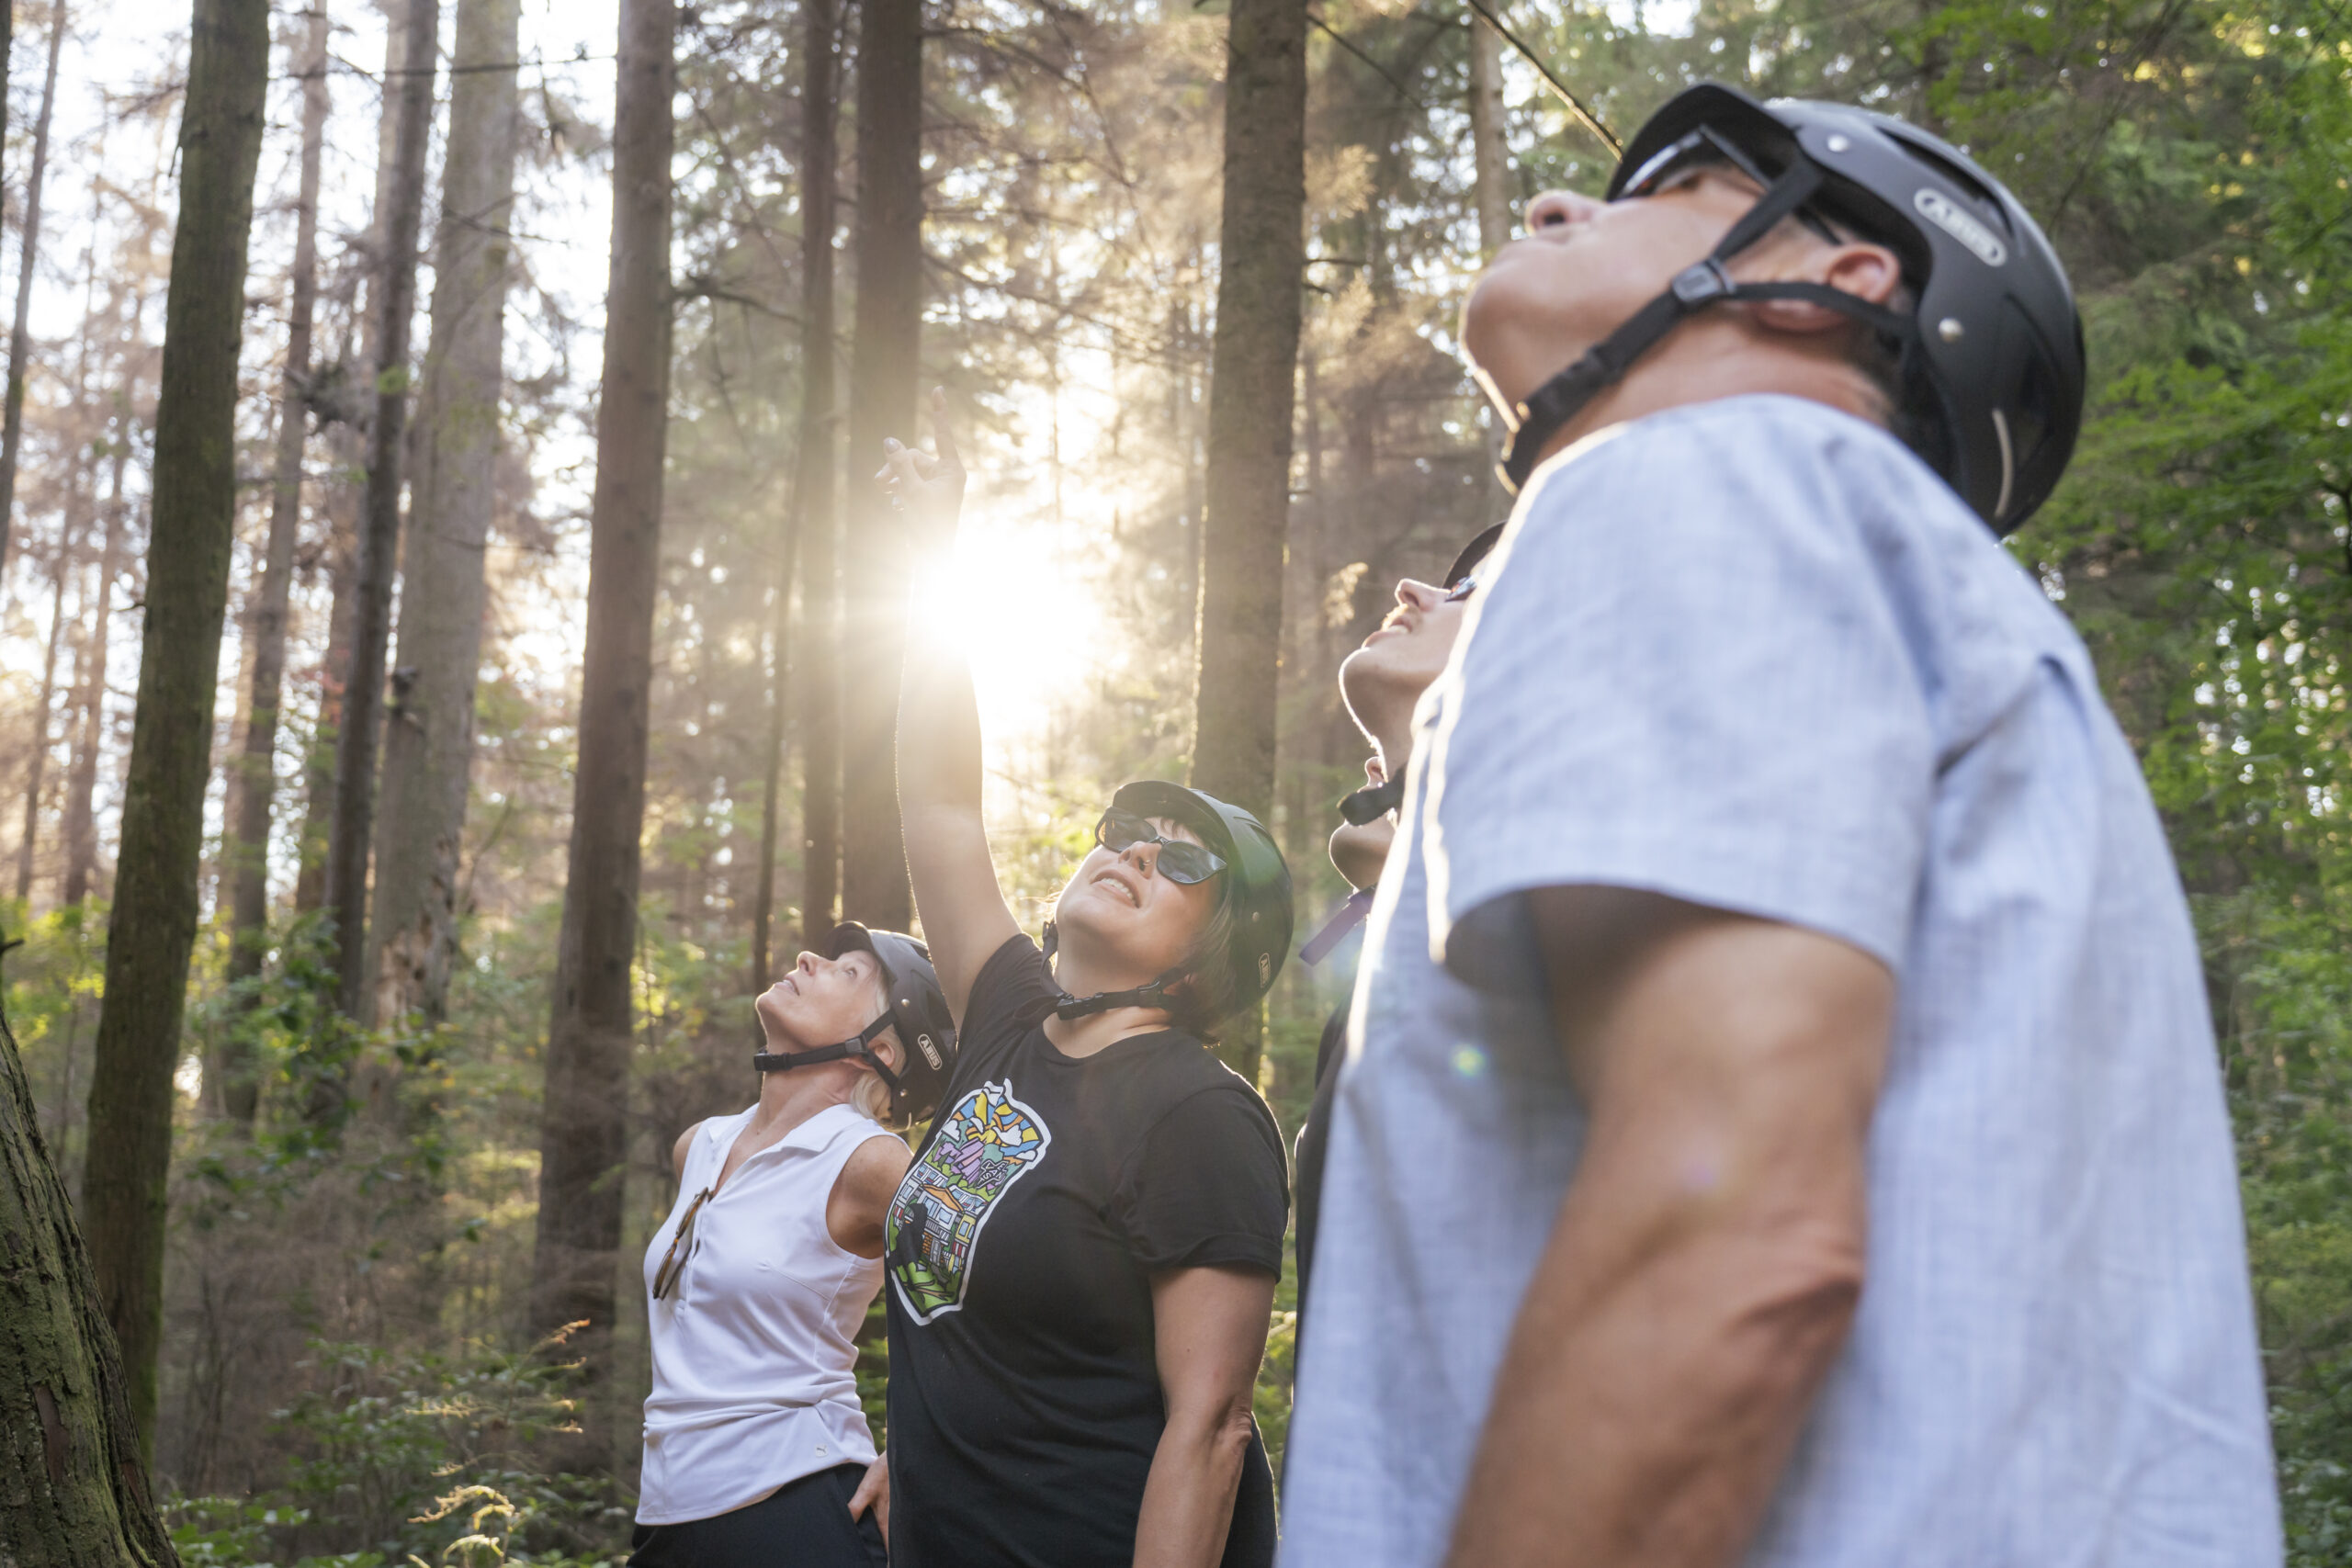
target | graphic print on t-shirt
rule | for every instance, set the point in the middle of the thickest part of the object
(982, 1148)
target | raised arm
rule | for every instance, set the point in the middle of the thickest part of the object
(1708, 1257)
(964, 915)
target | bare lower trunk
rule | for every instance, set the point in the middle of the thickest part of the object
(375, 561)
(1490, 151)
(12, 421)
(81, 821)
(37, 755)
(584, 1126)
(818, 684)
(78, 1493)
(344, 493)
(881, 403)
(1254, 360)
(256, 790)
(153, 925)
(428, 742)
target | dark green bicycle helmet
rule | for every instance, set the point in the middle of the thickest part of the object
(1257, 884)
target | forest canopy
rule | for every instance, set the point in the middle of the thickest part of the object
(409, 1014)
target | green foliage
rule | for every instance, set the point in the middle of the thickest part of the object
(418, 1458)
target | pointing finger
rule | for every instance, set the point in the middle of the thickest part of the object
(940, 436)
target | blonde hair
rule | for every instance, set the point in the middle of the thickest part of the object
(873, 1097)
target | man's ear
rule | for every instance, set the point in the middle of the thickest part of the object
(1868, 272)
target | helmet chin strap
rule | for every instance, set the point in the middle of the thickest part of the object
(1372, 802)
(1544, 415)
(862, 1048)
(1155, 995)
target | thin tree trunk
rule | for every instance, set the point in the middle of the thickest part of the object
(347, 489)
(12, 423)
(81, 819)
(584, 1126)
(428, 743)
(36, 759)
(881, 402)
(344, 489)
(195, 488)
(1490, 151)
(1254, 358)
(265, 628)
(779, 711)
(78, 1494)
(363, 686)
(820, 674)
(1252, 370)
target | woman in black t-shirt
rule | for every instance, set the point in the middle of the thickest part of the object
(1081, 1259)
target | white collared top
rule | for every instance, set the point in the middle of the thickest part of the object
(753, 1345)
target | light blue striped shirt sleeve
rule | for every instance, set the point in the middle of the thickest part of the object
(1723, 704)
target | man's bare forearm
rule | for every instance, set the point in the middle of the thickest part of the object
(1707, 1260)
(1650, 1397)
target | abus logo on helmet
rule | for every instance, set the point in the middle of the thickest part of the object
(930, 1051)
(1944, 213)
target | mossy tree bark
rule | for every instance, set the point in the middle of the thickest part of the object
(152, 924)
(73, 1490)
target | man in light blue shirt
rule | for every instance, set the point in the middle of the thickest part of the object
(1782, 1123)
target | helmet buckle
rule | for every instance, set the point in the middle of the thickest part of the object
(1696, 284)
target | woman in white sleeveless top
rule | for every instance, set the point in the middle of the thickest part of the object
(756, 1451)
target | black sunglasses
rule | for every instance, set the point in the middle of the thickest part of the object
(1180, 861)
(1461, 589)
(1704, 147)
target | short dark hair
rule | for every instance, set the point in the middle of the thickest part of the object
(1210, 992)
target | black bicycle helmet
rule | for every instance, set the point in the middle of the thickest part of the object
(1992, 363)
(917, 1010)
(1257, 881)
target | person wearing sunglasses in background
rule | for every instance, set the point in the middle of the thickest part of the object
(1782, 1122)
(756, 1451)
(1081, 1261)
(1381, 683)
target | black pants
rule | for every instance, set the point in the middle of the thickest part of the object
(803, 1525)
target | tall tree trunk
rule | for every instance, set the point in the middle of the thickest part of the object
(80, 1496)
(1490, 190)
(584, 1126)
(818, 682)
(363, 686)
(81, 830)
(1490, 151)
(881, 402)
(194, 489)
(266, 626)
(1253, 369)
(1254, 358)
(12, 423)
(428, 743)
(345, 490)
(37, 755)
(779, 710)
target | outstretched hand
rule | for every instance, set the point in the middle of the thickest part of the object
(929, 489)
